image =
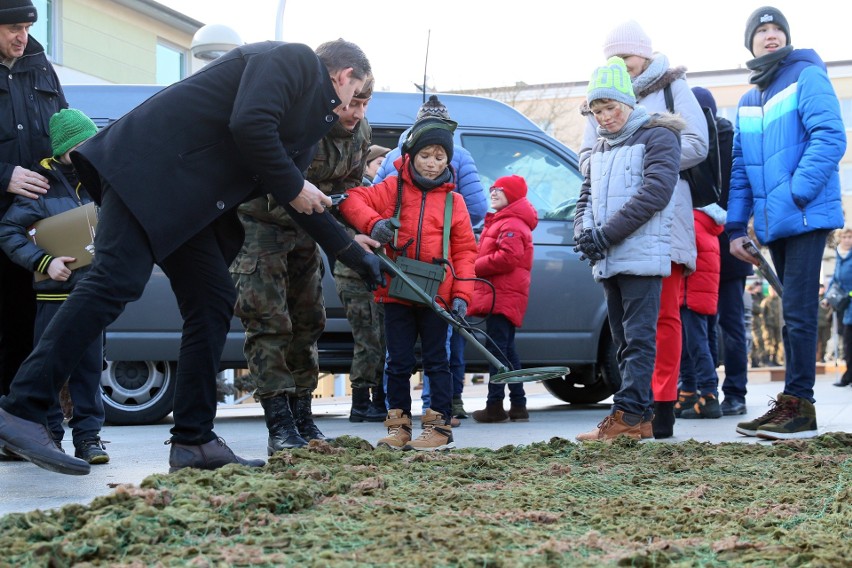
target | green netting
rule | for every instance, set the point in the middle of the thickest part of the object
(549, 504)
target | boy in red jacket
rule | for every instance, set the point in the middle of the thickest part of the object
(418, 198)
(505, 259)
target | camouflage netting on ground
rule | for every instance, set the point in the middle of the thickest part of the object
(548, 504)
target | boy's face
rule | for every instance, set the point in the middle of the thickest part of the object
(768, 38)
(431, 161)
(610, 114)
(498, 198)
(353, 113)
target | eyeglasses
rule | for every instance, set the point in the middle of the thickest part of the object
(493, 189)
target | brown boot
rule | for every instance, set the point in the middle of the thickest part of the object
(646, 427)
(518, 413)
(437, 434)
(615, 425)
(399, 430)
(493, 413)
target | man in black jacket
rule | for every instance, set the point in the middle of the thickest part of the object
(31, 95)
(169, 176)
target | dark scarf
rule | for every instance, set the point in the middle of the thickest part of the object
(763, 68)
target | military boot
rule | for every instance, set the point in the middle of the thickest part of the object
(362, 409)
(283, 433)
(301, 406)
(378, 401)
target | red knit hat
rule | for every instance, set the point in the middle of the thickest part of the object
(514, 187)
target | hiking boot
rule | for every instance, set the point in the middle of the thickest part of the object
(732, 407)
(437, 434)
(707, 406)
(646, 428)
(301, 407)
(777, 406)
(362, 409)
(90, 450)
(518, 413)
(458, 408)
(493, 413)
(684, 400)
(283, 434)
(212, 455)
(795, 419)
(662, 425)
(616, 424)
(399, 430)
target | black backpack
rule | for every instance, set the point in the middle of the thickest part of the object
(705, 179)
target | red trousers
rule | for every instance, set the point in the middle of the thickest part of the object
(669, 338)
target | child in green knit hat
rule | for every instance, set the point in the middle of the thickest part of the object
(69, 128)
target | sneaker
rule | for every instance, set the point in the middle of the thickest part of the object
(732, 407)
(476, 379)
(399, 430)
(777, 406)
(91, 450)
(707, 406)
(684, 400)
(796, 419)
(436, 435)
(458, 408)
(613, 426)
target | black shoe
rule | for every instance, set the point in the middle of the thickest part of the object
(212, 455)
(362, 409)
(664, 419)
(33, 442)
(92, 450)
(301, 407)
(844, 381)
(732, 407)
(281, 424)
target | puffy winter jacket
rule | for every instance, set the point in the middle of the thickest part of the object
(422, 222)
(788, 142)
(701, 288)
(505, 259)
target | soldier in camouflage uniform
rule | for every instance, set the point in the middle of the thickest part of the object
(773, 324)
(278, 275)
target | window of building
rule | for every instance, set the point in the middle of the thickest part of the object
(846, 112)
(171, 63)
(846, 178)
(43, 30)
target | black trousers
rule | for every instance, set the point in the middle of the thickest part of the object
(17, 318)
(198, 274)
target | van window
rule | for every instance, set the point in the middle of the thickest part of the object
(553, 183)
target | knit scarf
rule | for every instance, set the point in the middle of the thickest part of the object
(763, 68)
(637, 119)
(658, 66)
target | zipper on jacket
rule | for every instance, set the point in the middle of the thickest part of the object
(420, 224)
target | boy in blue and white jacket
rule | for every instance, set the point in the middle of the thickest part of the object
(788, 142)
(623, 225)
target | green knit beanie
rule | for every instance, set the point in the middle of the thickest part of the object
(612, 81)
(69, 127)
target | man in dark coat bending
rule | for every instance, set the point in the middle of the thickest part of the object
(169, 176)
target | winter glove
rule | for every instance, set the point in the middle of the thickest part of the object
(368, 266)
(587, 248)
(383, 231)
(460, 307)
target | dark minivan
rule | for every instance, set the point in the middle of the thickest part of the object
(566, 320)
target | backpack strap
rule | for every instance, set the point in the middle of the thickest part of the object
(667, 92)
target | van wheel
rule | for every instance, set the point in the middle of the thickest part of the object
(138, 392)
(581, 388)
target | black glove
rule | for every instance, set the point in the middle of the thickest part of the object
(588, 247)
(368, 266)
(460, 307)
(382, 231)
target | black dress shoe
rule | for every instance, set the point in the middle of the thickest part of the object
(212, 455)
(33, 442)
(732, 407)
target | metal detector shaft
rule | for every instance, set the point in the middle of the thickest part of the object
(392, 267)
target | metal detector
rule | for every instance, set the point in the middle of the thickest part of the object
(504, 374)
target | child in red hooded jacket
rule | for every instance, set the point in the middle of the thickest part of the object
(505, 259)
(418, 198)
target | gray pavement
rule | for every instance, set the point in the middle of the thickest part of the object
(139, 451)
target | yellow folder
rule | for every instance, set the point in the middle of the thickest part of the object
(71, 233)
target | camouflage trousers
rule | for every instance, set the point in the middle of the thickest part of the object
(367, 320)
(278, 276)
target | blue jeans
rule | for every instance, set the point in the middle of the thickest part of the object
(403, 326)
(731, 319)
(502, 346)
(697, 371)
(633, 304)
(455, 353)
(797, 260)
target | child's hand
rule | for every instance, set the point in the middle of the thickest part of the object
(383, 231)
(459, 307)
(57, 269)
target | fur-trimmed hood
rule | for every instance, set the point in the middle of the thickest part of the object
(673, 122)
